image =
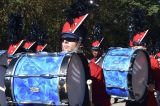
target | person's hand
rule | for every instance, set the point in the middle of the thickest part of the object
(65, 88)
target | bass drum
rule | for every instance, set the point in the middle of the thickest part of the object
(126, 73)
(3, 64)
(46, 79)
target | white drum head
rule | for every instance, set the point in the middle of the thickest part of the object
(140, 75)
(76, 81)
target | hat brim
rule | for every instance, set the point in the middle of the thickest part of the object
(69, 35)
(95, 48)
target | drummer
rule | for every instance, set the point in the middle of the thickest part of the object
(150, 99)
(72, 39)
(157, 79)
(99, 95)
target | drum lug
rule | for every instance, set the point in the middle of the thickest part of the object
(134, 55)
(130, 69)
(130, 89)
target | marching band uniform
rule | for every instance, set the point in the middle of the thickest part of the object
(157, 79)
(76, 14)
(149, 99)
(72, 36)
(99, 95)
(15, 24)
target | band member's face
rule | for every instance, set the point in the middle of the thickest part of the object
(68, 45)
(95, 53)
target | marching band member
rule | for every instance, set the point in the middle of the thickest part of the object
(71, 41)
(99, 95)
(157, 79)
(150, 99)
(74, 33)
(138, 29)
(35, 41)
(73, 30)
(155, 72)
(15, 38)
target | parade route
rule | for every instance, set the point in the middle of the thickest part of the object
(119, 103)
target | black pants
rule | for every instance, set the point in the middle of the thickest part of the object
(137, 103)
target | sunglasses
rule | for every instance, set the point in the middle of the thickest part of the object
(95, 49)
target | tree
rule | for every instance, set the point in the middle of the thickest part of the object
(113, 14)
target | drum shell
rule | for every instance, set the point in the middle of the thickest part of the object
(52, 86)
(119, 70)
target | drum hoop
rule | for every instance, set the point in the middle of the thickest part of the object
(41, 54)
(63, 81)
(9, 82)
(83, 61)
(129, 77)
(149, 68)
(64, 69)
(13, 71)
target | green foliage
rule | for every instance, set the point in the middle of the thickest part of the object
(154, 9)
(113, 13)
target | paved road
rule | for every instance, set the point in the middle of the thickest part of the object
(119, 103)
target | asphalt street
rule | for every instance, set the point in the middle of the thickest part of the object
(120, 102)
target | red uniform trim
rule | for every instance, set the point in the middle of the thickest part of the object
(99, 95)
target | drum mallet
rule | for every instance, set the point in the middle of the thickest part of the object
(89, 83)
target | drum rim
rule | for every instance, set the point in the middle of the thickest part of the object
(13, 71)
(63, 69)
(9, 81)
(80, 58)
(69, 57)
(129, 76)
(130, 68)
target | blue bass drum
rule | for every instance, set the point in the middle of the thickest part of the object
(126, 73)
(46, 79)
